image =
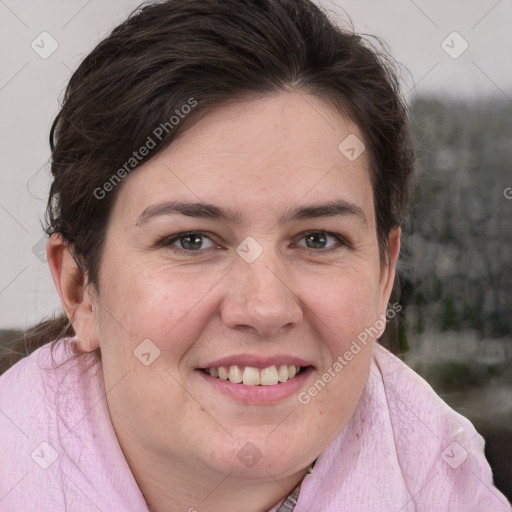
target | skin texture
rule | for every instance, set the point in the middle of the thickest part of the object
(262, 158)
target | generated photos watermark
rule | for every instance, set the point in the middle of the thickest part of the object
(138, 156)
(343, 360)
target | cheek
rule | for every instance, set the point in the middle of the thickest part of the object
(344, 306)
(156, 303)
(344, 312)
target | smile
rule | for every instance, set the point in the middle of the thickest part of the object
(253, 376)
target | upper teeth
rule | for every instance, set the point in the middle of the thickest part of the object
(252, 376)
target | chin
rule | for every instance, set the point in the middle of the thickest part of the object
(264, 459)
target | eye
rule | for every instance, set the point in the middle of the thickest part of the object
(321, 240)
(192, 241)
(195, 242)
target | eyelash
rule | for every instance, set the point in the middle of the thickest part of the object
(169, 241)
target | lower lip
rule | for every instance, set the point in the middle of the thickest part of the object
(259, 394)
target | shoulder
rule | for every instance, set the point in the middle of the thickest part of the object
(24, 377)
(40, 397)
(53, 379)
(58, 448)
(420, 418)
(39, 373)
(33, 391)
(414, 406)
(439, 451)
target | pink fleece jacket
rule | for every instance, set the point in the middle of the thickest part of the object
(403, 450)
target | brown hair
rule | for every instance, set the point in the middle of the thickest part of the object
(170, 52)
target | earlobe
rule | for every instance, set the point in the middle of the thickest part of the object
(75, 294)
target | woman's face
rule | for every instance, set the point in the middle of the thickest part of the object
(278, 267)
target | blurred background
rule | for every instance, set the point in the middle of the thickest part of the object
(456, 266)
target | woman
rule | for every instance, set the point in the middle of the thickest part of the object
(229, 179)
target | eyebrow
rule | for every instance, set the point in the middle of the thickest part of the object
(201, 210)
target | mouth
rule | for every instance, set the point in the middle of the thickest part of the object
(256, 379)
(254, 376)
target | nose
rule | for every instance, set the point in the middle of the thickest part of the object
(259, 298)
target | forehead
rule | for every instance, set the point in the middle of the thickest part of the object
(261, 155)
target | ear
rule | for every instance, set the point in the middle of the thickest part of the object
(78, 299)
(388, 270)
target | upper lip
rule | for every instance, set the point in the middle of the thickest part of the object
(256, 361)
